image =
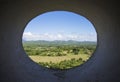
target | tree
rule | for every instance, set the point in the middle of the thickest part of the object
(75, 51)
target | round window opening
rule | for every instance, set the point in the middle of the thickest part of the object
(59, 40)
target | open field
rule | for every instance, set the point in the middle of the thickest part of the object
(58, 58)
(59, 54)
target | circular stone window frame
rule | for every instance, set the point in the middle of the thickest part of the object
(24, 70)
(72, 67)
(66, 73)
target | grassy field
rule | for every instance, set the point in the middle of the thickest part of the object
(59, 54)
(58, 59)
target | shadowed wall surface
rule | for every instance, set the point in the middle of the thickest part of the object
(15, 65)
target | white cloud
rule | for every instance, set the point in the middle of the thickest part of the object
(59, 36)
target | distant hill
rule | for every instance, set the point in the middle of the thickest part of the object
(60, 42)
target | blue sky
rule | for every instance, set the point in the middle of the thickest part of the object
(60, 25)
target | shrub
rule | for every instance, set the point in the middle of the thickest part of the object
(66, 64)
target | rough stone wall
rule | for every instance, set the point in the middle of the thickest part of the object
(15, 66)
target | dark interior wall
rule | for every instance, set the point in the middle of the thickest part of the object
(15, 66)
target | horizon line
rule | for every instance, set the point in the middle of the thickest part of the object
(60, 40)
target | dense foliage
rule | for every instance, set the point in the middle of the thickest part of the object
(66, 64)
(59, 48)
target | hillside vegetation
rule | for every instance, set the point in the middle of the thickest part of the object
(59, 54)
